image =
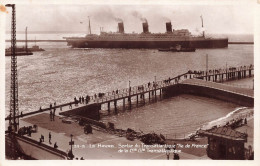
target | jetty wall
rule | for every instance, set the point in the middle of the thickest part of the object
(240, 99)
(33, 149)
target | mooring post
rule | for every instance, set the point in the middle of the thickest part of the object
(124, 103)
(115, 103)
(108, 107)
(137, 100)
(144, 97)
(149, 95)
(129, 101)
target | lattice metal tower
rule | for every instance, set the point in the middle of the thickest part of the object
(14, 111)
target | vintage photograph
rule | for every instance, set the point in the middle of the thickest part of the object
(129, 82)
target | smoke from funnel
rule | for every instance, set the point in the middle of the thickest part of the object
(139, 16)
(166, 19)
(118, 19)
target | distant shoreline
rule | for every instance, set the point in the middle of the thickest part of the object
(66, 41)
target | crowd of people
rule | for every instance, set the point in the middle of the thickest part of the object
(28, 130)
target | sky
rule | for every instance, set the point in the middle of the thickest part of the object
(218, 19)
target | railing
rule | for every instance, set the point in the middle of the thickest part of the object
(144, 88)
(134, 91)
(213, 72)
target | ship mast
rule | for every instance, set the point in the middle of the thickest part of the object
(89, 27)
(202, 26)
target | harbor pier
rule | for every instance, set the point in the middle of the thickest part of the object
(206, 83)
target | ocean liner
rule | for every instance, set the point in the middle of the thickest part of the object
(146, 39)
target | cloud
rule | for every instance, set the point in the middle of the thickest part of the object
(217, 19)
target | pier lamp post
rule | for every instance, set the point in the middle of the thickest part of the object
(70, 154)
(167, 152)
(155, 82)
(129, 88)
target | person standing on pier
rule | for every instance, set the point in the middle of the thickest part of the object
(29, 132)
(42, 138)
(50, 106)
(87, 99)
(55, 145)
(76, 101)
(80, 99)
(50, 137)
(55, 104)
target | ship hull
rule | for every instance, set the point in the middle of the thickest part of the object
(206, 43)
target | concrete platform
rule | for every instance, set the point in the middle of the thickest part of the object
(106, 145)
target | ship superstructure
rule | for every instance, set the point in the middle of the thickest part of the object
(146, 39)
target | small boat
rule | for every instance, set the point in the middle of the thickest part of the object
(36, 48)
(178, 48)
(20, 51)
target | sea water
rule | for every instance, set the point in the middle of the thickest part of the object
(60, 73)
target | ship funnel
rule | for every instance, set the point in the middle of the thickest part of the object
(168, 27)
(145, 27)
(121, 27)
